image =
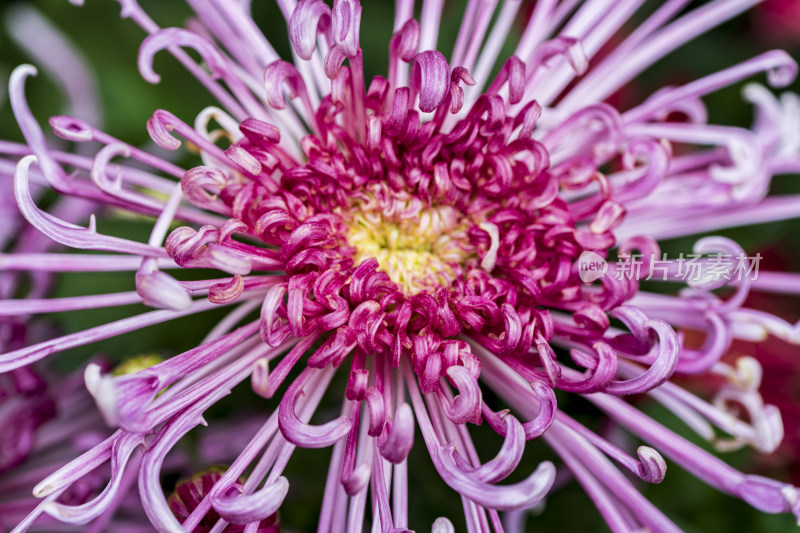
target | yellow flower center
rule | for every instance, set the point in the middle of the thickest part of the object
(419, 248)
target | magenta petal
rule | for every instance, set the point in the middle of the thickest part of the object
(430, 78)
(300, 433)
(247, 508)
(310, 18)
(347, 26)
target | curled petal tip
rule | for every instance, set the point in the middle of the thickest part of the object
(357, 479)
(748, 373)
(248, 508)
(244, 159)
(660, 370)
(405, 41)
(299, 432)
(278, 75)
(159, 289)
(398, 435)
(260, 132)
(520, 495)
(768, 495)
(259, 379)
(567, 47)
(377, 412)
(21, 72)
(43, 489)
(442, 525)
(121, 450)
(653, 467)
(430, 77)
(509, 456)
(71, 128)
(202, 185)
(104, 392)
(122, 400)
(769, 429)
(784, 72)
(347, 26)
(164, 38)
(309, 18)
(159, 131)
(467, 405)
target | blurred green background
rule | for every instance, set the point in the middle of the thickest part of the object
(110, 45)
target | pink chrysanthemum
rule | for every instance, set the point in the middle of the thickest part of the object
(426, 234)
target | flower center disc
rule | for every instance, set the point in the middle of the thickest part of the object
(420, 249)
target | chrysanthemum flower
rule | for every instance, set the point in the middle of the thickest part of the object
(419, 234)
(54, 421)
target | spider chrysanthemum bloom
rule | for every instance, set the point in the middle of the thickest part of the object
(429, 235)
